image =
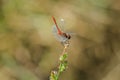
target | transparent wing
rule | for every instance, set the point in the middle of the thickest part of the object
(71, 33)
(57, 36)
(62, 24)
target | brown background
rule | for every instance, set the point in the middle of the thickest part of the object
(29, 51)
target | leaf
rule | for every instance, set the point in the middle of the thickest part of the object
(63, 57)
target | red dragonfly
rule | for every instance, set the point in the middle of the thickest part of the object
(59, 34)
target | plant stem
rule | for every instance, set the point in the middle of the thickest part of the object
(62, 65)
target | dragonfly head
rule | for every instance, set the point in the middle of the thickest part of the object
(68, 36)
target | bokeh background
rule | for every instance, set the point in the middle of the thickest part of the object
(29, 51)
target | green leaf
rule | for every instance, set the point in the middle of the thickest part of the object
(63, 66)
(63, 57)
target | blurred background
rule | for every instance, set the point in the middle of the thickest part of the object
(29, 51)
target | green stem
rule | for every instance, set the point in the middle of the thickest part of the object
(62, 66)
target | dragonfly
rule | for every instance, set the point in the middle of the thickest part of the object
(59, 34)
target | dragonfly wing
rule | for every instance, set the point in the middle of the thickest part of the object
(57, 36)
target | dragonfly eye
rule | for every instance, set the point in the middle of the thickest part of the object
(68, 36)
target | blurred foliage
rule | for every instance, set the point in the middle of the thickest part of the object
(28, 50)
